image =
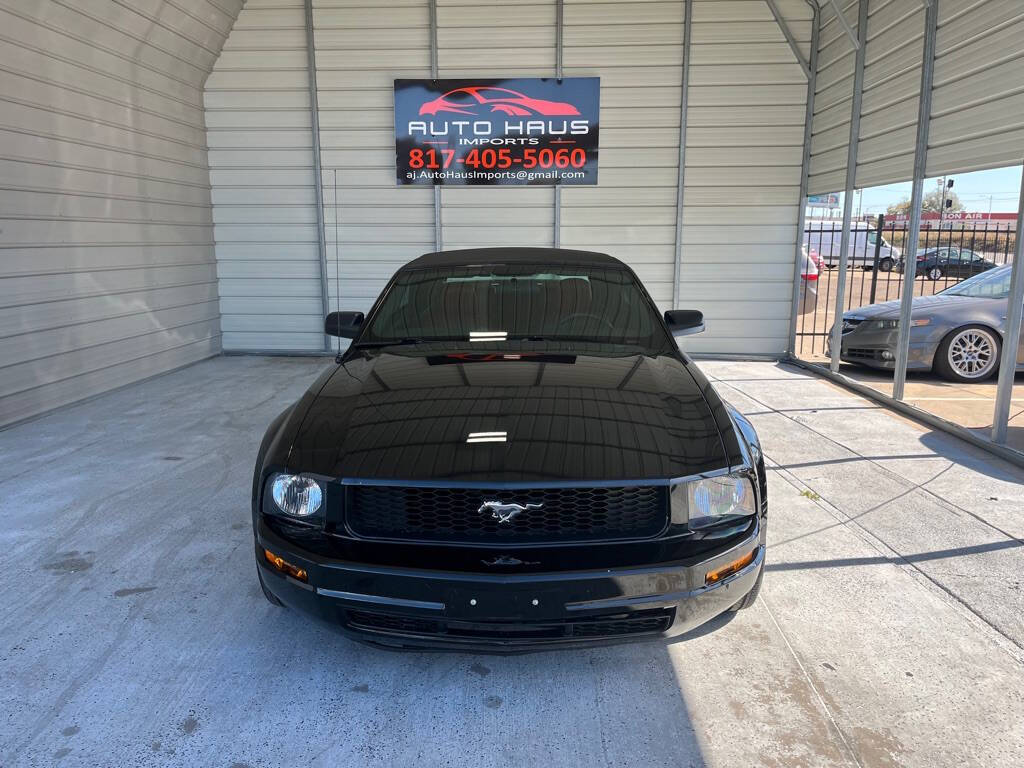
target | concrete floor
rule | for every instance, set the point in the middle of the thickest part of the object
(891, 629)
(969, 405)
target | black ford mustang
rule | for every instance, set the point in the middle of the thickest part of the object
(512, 454)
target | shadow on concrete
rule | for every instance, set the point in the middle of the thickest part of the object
(855, 459)
(706, 628)
(973, 458)
(920, 557)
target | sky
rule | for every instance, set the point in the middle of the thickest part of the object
(974, 189)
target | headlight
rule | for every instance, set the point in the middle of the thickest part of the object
(296, 495)
(888, 325)
(715, 500)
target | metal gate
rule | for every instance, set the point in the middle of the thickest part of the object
(946, 254)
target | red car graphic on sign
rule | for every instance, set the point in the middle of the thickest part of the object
(474, 100)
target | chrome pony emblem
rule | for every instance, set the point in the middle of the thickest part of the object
(504, 513)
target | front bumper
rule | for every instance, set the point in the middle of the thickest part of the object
(877, 349)
(414, 608)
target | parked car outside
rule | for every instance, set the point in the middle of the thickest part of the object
(861, 248)
(958, 332)
(949, 261)
(809, 273)
(815, 257)
(512, 454)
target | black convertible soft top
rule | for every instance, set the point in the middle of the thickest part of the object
(476, 256)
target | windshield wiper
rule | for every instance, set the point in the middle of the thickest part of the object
(391, 343)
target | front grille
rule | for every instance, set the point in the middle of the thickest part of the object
(457, 514)
(612, 625)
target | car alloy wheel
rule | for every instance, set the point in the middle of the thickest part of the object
(885, 265)
(934, 273)
(972, 353)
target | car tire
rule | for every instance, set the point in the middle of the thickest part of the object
(963, 349)
(934, 274)
(751, 597)
(271, 597)
(885, 265)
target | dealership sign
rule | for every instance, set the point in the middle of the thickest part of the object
(509, 131)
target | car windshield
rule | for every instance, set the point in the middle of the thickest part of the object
(496, 304)
(994, 284)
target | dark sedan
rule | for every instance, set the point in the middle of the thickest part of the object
(960, 263)
(511, 454)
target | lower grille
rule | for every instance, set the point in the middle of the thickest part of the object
(542, 515)
(626, 626)
(392, 623)
(613, 625)
(862, 354)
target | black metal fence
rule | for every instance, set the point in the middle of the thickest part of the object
(946, 255)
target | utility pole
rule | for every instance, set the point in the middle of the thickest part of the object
(942, 201)
(946, 186)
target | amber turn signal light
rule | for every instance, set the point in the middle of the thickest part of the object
(284, 566)
(739, 564)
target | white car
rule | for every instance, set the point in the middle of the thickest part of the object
(861, 249)
(808, 282)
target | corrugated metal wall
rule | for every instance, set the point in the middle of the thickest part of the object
(744, 153)
(833, 96)
(637, 50)
(892, 84)
(106, 247)
(261, 170)
(360, 50)
(977, 115)
(747, 111)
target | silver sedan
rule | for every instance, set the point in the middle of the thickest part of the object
(958, 333)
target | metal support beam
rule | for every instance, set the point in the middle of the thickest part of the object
(438, 226)
(924, 111)
(681, 175)
(1011, 339)
(559, 36)
(318, 180)
(788, 33)
(801, 219)
(851, 177)
(846, 25)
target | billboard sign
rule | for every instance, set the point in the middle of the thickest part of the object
(513, 131)
(823, 201)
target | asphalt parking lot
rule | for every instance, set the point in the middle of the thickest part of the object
(890, 629)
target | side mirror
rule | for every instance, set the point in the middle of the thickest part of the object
(343, 324)
(684, 322)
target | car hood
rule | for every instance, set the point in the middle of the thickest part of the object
(920, 305)
(568, 417)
